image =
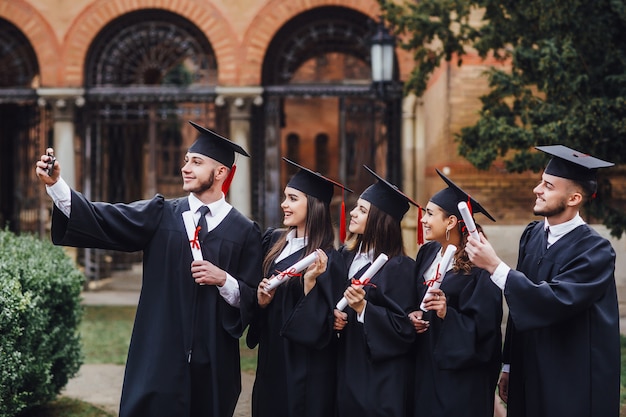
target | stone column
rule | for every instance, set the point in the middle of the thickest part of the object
(413, 168)
(63, 102)
(240, 100)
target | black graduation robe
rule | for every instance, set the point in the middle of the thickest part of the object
(458, 358)
(563, 333)
(174, 315)
(374, 361)
(295, 374)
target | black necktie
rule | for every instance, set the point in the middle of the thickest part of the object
(203, 210)
(547, 233)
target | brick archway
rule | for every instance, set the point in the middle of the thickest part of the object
(275, 14)
(40, 34)
(90, 22)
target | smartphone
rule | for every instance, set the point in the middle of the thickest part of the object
(50, 163)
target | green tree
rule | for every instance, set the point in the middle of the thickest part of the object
(566, 83)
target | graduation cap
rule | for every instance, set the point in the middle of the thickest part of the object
(449, 198)
(387, 197)
(571, 164)
(318, 186)
(219, 148)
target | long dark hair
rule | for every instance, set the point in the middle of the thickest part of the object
(461, 259)
(382, 234)
(318, 230)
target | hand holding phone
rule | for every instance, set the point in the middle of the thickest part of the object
(50, 163)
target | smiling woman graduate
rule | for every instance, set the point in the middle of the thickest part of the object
(374, 364)
(293, 326)
(457, 351)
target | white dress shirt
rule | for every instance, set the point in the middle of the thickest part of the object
(294, 244)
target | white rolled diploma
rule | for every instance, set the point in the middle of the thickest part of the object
(284, 276)
(369, 273)
(469, 221)
(190, 227)
(443, 267)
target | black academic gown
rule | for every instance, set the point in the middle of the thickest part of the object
(180, 326)
(374, 361)
(295, 374)
(458, 358)
(563, 333)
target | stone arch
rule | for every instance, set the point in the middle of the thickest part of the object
(275, 14)
(90, 22)
(40, 34)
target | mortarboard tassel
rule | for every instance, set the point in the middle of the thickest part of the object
(420, 228)
(229, 179)
(342, 221)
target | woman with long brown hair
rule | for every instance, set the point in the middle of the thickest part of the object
(293, 327)
(458, 347)
(375, 334)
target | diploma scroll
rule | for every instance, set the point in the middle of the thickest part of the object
(435, 283)
(296, 268)
(190, 227)
(369, 273)
(469, 221)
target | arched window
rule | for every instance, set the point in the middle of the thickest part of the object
(18, 62)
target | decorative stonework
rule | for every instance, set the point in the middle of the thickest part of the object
(40, 34)
(91, 21)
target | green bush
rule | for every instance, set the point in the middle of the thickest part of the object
(39, 316)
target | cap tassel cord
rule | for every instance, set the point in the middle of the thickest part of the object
(229, 179)
(342, 224)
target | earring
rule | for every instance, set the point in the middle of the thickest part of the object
(447, 234)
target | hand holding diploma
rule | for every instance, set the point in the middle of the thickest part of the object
(441, 272)
(369, 273)
(295, 269)
(469, 220)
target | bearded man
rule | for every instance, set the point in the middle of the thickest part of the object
(183, 358)
(562, 350)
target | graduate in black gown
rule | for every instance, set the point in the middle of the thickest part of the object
(183, 358)
(375, 334)
(459, 341)
(562, 347)
(293, 327)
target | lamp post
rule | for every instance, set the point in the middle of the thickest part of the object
(386, 90)
(382, 57)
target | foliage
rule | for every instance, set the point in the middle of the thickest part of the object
(39, 314)
(566, 83)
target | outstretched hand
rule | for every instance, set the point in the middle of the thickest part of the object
(42, 165)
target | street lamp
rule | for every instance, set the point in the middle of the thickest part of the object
(386, 90)
(382, 54)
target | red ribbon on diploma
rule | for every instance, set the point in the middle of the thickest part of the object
(289, 273)
(363, 282)
(195, 243)
(432, 281)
